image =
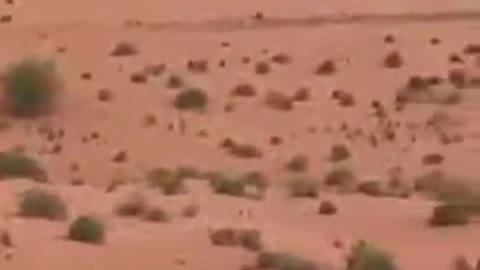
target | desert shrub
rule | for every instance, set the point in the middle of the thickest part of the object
(441, 186)
(302, 94)
(244, 90)
(461, 263)
(339, 176)
(255, 184)
(283, 261)
(87, 229)
(192, 99)
(134, 205)
(432, 159)
(339, 152)
(228, 185)
(31, 87)
(281, 58)
(303, 187)
(155, 214)
(198, 66)
(298, 163)
(17, 164)
(223, 237)
(190, 211)
(327, 67)
(38, 203)
(175, 81)
(245, 150)
(370, 188)
(262, 68)
(344, 99)
(471, 49)
(166, 180)
(393, 60)
(449, 214)
(124, 48)
(278, 101)
(250, 239)
(367, 257)
(327, 208)
(187, 172)
(417, 82)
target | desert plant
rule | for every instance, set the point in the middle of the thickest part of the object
(134, 205)
(192, 99)
(187, 172)
(262, 68)
(298, 163)
(302, 94)
(368, 257)
(250, 239)
(278, 101)
(228, 185)
(283, 261)
(31, 87)
(17, 164)
(245, 150)
(432, 159)
(87, 229)
(256, 184)
(393, 60)
(339, 152)
(223, 237)
(443, 187)
(190, 211)
(166, 180)
(370, 188)
(155, 214)
(281, 58)
(303, 187)
(327, 67)
(244, 90)
(449, 214)
(461, 263)
(327, 208)
(124, 48)
(175, 81)
(38, 203)
(339, 176)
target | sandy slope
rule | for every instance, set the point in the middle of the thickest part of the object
(89, 30)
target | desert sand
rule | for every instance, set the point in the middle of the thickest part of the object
(79, 36)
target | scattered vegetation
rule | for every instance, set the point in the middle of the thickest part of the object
(244, 90)
(190, 211)
(18, 164)
(155, 214)
(169, 182)
(251, 184)
(450, 214)
(262, 68)
(339, 152)
(303, 187)
(327, 208)
(327, 67)
(283, 261)
(298, 163)
(344, 99)
(133, 206)
(124, 48)
(250, 239)
(39, 203)
(281, 58)
(340, 177)
(393, 60)
(245, 150)
(87, 229)
(371, 188)
(368, 257)
(278, 101)
(31, 87)
(302, 94)
(432, 159)
(192, 99)
(198, 66)
(175, 81)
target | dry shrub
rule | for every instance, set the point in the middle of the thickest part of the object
(87, 229)
(327, 208)
(281, 58)
(461, 263)
(262, 68)
(244, 90)
(245, 151)
(389, 38)
(39, 203)
(138, 77)
(278, 101)
(252, 184)
(365, 256)
(155, 214)
(301, 95)
(298, 163)
(105, 95)
(303, 187)
(371, 188)
(457, 77)
(393, 60)
(419, 90)
(444, 187)
(283, 261)
(228, 184)
(175, 81)
(198, 66)
(190, 211)
(132, 206)
(450, 214)
(250, 239)
(455, 58)
(192, 99)
(166, 180)
(432, 159)
(343, 98)
(339, 152)
(339, 177)
(124, 49)
(14, 164)
(472, 48)
(327, 67)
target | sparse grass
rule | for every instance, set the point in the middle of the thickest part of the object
(339, 152)
(134, 205)
(123, 49)
(283, 261)
(192, 99)
(327, 208)
(250, 239)
(449, 214)
(278, 101)
(298, 163)
(169, 182)
(38, 203)
(87, 229)
(368, 257)
(31, 87)
(303, 187)
(18, 164)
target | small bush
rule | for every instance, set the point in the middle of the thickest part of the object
(87, 229)
(255, 184)
(339, 152)
(244, 90)
(472, 49)
(262, 68)
(449, 214)
(228, 185)
(246, 151)
(443, 187)
(339, 177)
(156, 214)
(278, 101)
(327, 67)
(175, 81)
(250, 239)
(283, 261)
(432, 159)
(327, 208)
(367, 257)
(224, 237)
(38, 203)
(281, 58)
(190, 211)
(298, 163)
(192, 99)
(124, 49)
(344, 99)
(303, 187)
(198, 66)
(393, 60)
(31, 87)
(134, 205)
(17, 164)
(169, 182)
(302, 94)
(370, 188)
(187, 172)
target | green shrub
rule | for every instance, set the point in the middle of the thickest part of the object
(223, 237)
(303, 187)
(17, 164)
(283, 261)
(367, 257)
(31, 87)
(192, 99)
(38, 203)
(449, 214)
(169, 182)
(87, 229)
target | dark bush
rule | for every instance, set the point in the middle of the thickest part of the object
(449, 214)
(192, 99)
(367, 257)
(298, 163)
(88, 230)
(327, 208)
(38, 203)
(303, 187)
(17, 164)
